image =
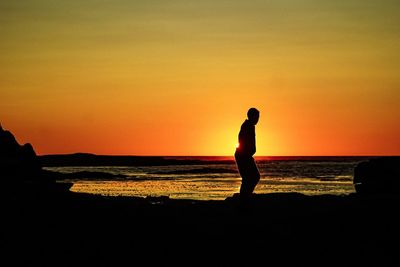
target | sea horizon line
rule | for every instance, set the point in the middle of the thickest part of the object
(203, 156)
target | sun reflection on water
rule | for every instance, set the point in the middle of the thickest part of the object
(208, 190)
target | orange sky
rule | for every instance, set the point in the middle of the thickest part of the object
(177, 77)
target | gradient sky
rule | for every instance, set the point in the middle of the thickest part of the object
(160, 77)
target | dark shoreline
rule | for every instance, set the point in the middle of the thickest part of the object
(86, 159)
(65, 227)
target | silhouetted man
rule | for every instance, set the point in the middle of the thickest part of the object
(244, 154)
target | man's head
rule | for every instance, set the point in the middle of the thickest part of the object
(253, 115)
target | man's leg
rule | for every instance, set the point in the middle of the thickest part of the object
(255, 175)
(245, 188)
(246, 171)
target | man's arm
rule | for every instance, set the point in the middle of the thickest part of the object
(252, 142)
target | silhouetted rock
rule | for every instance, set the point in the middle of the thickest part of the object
(379, 175)
(17, 161)
(19, 165)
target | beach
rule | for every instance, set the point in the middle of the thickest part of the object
(308, 215)
(281, 229)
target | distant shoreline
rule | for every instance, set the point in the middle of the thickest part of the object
(86, 159)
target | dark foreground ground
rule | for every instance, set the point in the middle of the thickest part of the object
(70, 229)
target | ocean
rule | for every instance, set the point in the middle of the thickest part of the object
(214, 178)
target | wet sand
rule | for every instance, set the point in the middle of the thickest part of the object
(45, 228)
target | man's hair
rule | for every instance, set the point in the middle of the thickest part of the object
(253, 112)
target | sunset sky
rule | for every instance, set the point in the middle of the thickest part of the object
(176, 77)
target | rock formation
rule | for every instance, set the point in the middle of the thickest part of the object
(20, 167)
(17, 162)
(378, 175)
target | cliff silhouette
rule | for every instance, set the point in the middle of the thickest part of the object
(21, 170)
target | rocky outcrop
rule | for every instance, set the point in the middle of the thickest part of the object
(378, 176)
(20, 166)
(17, 162)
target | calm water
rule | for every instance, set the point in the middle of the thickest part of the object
(218, 180)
